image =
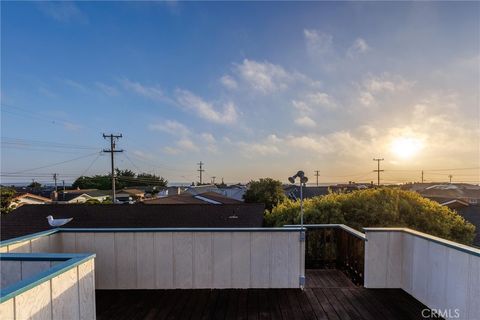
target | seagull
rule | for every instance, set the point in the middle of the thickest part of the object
(58, 222)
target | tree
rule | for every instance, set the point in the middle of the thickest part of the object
(35, 185)
(266, 190)
(125, 178)
(6, 196)
(382, 207)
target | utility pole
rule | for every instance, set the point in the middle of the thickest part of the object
(317, 174)
(112, 151)
(213, 180)
(450, 177)
(63, 195)
(422, 176)
(55, 179)
(378, 169)
(201, 170)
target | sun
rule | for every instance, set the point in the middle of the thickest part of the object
(406, 147)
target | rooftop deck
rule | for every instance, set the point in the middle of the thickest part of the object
(329, 294)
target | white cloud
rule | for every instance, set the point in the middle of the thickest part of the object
(187, 145)
(150, 92)
(301, 106)
(313, 101)
(143, 155)
(228, 82)
(264, 77)
(106, 89)
(76, 85)
(305, 122)
(318, 43)
(170, 126)
(181, 146)
(205, 109)
(373, 86)
(262, 148)
(386, 83)
(62, 11)
(366, 98)
(208, 137)
(359, 46)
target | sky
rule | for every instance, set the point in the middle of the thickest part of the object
(253, 90)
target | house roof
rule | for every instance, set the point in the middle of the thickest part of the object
(472, 215)
(203, 198)
(34, 196)
(32, 218)
(67, 196)
(132, 191)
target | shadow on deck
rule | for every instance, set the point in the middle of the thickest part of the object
(329, 294)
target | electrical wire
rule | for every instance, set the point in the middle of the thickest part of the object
(57, 163)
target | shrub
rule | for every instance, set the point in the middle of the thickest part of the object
(382, 207)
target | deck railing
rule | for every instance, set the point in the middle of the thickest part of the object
(170, 258)
(336, 246)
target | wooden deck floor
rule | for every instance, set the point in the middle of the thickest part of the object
(329, 294)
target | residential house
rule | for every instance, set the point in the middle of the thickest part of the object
(27, 198)
(188, 198)
(31, 218)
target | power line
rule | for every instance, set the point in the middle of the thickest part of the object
(112, 151)
(378, 169)
(57, 163)
(317, 174)
(200, 170)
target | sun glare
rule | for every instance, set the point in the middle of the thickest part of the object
(405, 147)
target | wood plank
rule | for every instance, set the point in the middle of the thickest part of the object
(242, 310)
(203, 259)
(327, 307)
(209, 309)
(282, 297)
(7, 309)
(221, 305)
(252, 304)
(163, 247)
(34, 303)
(232, 304)
(145, 260)
(272, 302)
(165, 306)
(65, 298)
(336, 304)
(352, 297)
(199, 307)
(241, 259)
(369, 298)
(352, 312)
(260, 260)
(294, 304)
(10, 272)
(86, 289)
(179, 305)
(305, 305)
(263, 305)
(183, 260)
(126, 265)
(222, 260)
(316, 307)
(104, 261)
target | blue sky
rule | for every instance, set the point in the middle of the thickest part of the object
(252, 89)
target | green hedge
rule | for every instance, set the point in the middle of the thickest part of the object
(382, 207)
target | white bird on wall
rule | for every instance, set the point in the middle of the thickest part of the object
(58, 222)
